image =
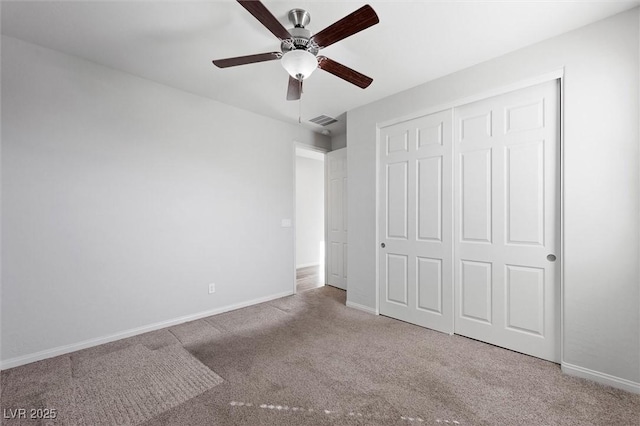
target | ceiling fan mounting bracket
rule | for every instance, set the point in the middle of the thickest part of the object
(299, 18)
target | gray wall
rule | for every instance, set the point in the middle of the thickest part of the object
(339, 141)
(122, 199)
(601, 187)
(309, 211)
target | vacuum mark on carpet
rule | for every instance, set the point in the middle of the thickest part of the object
(131, 386)
(285, 408)
(420, 420)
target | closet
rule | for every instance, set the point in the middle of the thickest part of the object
(469, 217)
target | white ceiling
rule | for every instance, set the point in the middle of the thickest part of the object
(174, 42)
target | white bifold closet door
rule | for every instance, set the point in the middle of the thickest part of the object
(415, 230)
(506, 209)
(469, 218)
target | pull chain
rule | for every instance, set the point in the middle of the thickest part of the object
(300, 110)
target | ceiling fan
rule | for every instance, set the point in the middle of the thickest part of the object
(299, 47)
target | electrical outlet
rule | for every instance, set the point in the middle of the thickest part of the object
(212, 288)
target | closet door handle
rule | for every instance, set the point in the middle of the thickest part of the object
(551, 257)
(382, 245)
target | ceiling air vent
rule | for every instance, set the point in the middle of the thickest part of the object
(323, 120)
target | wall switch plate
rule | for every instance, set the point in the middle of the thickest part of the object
(285, 223)
(212, 288)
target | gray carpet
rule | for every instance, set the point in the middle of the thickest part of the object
(129, 386)
(309, 360)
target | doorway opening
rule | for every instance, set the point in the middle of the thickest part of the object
(310, 219)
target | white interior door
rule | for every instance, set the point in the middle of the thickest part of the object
(337, 223)
(506, 214)
(415, 226)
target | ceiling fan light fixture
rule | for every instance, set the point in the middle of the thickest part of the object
(299, 63)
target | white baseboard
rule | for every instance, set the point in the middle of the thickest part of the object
(362, 308)
(605, 379)
(61, 350)
(306, 265)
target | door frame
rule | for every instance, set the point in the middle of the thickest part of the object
(522, 84)
(299, 145)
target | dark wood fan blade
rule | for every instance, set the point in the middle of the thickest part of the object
(345, 73)
(243, 60)
(266, 18)
(295, 89)
(357, 21)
